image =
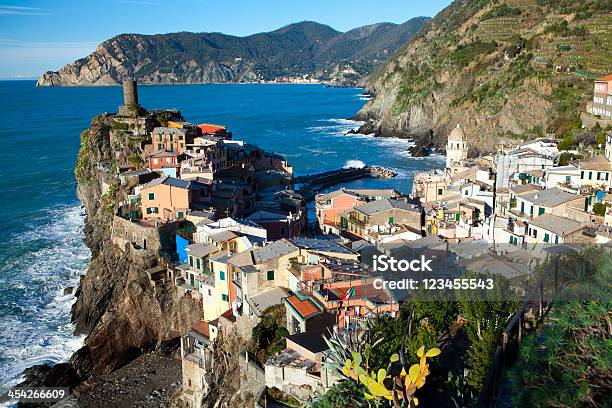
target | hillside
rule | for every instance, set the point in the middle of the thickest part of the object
(305, 48)
(504, 70)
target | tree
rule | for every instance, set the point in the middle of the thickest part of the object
(486, 311)
(268, 336)
(600, 209)
(344, 394)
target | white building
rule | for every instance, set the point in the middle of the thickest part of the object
(564, 176)
(456, 147)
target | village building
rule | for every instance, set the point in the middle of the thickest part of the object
(172, 139)
(299, 369)
(456, 148)
(166, 163)
(383, 217)
(430, 186)
(602, 97)
(252, 231)
(167, 198)
(551, 201)
(328, 207)
(550, 228)
(259, 268)
(562, 177)
(196, 362)
(215, 130)
(595, 172)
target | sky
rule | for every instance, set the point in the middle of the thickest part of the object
(41, 35)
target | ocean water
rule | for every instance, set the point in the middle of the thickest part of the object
(41, 248)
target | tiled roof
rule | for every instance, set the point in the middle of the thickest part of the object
(322, 245)
(605, 78)
(598, 162)
(165, 153)
(169, 181)
(557, 225)
(168, 130)
(524, 189)
(202, 328)
(551, 197)
(305, 307)
(274, 250)
(223, 236)
(201, 250)
(377, 206)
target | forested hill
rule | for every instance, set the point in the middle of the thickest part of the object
(503, 69)
(305, 48)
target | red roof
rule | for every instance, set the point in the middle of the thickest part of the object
(605, 78)
(202, 328)
(304, 307)
(211, 129)
(229, 315)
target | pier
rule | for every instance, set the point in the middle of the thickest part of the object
(313, 183)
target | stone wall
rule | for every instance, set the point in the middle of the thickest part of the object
(590, 121)
(159, 240)
(252, 376)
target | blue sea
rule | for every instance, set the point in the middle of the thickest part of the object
(41, 248)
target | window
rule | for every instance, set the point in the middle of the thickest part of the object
(224, 297)
(582, 175)
(151, 196)
(191, 261)
(160, 138)
(156, 210)
(522, 207)
(270, 275)
(222, 275)
(535, 233)
(209, 292)
(590, 175)
(546, 237)
(568, 179)
(180, 214)
(197, 263)
(170, 136)
(148, 210)
(541, 210)
(556, 239)
(440, 191)
(390, 220)
(154, 161)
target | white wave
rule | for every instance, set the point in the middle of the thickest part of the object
(35, 310)
(353, 164)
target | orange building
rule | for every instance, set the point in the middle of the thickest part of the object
(214, 130)
(168, 198)
(329, 206)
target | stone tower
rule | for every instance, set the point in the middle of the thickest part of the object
(456, 147)
(130, 98)
(130, 92)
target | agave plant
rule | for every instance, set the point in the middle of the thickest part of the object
(351, 346)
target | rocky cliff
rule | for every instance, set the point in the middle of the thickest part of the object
(305, 48)
(504, 70)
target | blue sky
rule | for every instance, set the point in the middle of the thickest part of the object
(38, 35)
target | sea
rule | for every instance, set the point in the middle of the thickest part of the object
(41, 247)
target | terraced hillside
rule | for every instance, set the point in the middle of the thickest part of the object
(504, 69)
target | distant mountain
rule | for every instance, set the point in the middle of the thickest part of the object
(305, 48)
(505, 70)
